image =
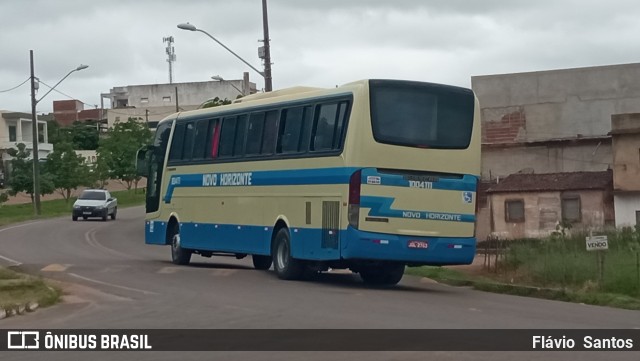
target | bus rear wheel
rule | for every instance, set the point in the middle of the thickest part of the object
(261, 262)
(382, 275)
(179, 255)
(286, 267)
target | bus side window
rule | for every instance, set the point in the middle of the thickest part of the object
(200, 139)
(270, 132)
(307, 124)
(254, 133)
(214, 137)
(177, 142)
(324, 127)
(241, 132)
(188, 141)
(340, 126)
(227, 136)
(289, 137)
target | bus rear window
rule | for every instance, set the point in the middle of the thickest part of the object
(421, 115)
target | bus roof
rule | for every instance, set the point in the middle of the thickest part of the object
(276, 93)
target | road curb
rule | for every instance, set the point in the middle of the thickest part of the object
(18, 310)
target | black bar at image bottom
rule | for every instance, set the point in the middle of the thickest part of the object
(320, 340)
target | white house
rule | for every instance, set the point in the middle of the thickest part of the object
(16, 127)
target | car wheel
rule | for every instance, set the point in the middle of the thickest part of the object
(113, 215)
(179, 255)
(74, 218)
(104, 215)
(261, 262)
(286, 267)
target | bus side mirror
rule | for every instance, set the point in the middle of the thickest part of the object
(142, 165)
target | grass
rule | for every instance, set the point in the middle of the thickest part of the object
(15, 213)
(558, 268)
(18, 288)
(488, 284)
(565, 263)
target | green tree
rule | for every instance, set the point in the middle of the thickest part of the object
(83, 135)
(117, 151)
(215, 102)
(67, 169)
(99, 174)
(21, 177)
(3, 197)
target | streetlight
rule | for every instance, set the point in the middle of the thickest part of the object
(34, 130)
(219, 78)
(267, 65)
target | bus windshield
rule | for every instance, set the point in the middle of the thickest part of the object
(421, 115)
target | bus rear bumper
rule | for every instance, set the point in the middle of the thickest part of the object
(409, 249)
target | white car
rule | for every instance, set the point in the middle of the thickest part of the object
(95, 203)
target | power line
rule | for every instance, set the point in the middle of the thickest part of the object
(66, 95)
(15, 87)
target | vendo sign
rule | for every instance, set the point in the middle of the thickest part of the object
(597, 243)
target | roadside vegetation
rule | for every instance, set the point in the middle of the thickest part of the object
(558, 267)
(63, 172)
(19, 290)
(14, 213)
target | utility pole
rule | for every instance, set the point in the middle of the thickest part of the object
(177, 106)
(268, 86)
(34, 134)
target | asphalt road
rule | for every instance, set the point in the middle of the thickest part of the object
(113, 280)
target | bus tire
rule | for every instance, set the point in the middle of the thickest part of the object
(179, 255)
(262, 262)
(384, 275)
(286, 267)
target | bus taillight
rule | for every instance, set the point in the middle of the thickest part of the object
(354, 199)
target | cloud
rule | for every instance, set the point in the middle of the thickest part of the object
(314, 43)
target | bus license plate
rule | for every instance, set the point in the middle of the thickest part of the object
(418, 244)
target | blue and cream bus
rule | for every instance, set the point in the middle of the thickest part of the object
(371, 176)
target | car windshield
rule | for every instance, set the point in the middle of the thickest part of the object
(93, 195)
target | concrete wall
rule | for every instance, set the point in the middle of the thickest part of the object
(154, 115)
(556, 104)
(498, 161)
(543, 210)
(626, 207)
(90, 156)
(164, 95)
(626, 151)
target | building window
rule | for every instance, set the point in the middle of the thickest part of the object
(13, 135)
(145, 100)
(514, 210)
(571, 209)
(166, 99)
(637, 218)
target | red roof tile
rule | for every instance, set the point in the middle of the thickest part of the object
(554, 182)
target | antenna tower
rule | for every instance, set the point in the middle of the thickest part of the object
(171, 55)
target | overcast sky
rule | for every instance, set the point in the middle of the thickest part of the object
(320, 43)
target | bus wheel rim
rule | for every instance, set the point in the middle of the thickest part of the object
(282, 255)
(176, 242)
